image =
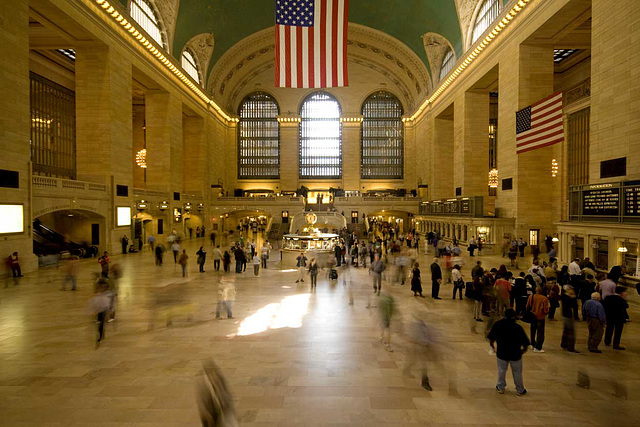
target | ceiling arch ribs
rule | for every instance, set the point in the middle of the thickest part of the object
(466, 9)
(367, 47)
(168, 11)
(436, 46)
(202, 46)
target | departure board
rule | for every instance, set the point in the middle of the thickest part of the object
(601, 202)
(632, 200)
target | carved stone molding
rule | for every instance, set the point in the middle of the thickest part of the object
(436, 46)
(202, 47)
(578, 92)
(168, 10)
(465, 9)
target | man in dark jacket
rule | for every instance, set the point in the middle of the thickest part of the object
(569, 305)
(436, 279)
(512, 344)
(615, 307)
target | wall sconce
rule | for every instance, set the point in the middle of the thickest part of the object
(187, 207)
(623, 247)
(141, 158)
(142, 205)
(493, 178)
(555, 239)
(554, 168)
(163, 206)
(200, 207)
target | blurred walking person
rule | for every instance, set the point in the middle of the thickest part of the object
(183, 262)
(313, 273)
(386, 307)
(99, 306)
(159, 254)
(593, 313)
(217, 256)
(416, 281)
(376, 268)
(226, 298)
(175, 248)
(256, 264)
(215, 402)
(104, 264)
(71, 274)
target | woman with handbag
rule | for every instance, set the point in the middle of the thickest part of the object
(458, 281)
(416, 282)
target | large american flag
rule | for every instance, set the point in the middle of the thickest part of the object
(540, 124)
(311, 43)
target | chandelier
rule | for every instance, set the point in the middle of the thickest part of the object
(141, 158)
(493, 178)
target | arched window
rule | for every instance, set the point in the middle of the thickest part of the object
(488, 13)
(190, 65)
(320, 137)
(382, 146)
(447, 63)
(144, 14)
(258, 138)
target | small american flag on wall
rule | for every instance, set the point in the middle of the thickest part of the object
(311, 43)
(540, 124)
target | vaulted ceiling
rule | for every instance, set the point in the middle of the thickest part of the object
(213, 27)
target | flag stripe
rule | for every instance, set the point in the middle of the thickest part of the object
(287, 54)
(540, 125)
(343, 42)
(317, 47)
(278, 57)
(304, 64)
(334, 43)
(322, 41)
(299, 63)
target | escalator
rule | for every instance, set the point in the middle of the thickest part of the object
(49, 242)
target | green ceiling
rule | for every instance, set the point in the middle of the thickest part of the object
(232, 20)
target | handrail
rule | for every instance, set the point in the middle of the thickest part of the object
(47, 181)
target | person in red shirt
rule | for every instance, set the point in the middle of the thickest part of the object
(539, 306)
(503, 288)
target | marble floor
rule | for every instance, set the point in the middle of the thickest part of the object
(291, 358)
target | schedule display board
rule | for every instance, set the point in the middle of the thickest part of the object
(632, 198)
(601, 202)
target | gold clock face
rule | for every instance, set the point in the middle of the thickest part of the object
(311, 218)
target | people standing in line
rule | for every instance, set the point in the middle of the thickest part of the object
(436, 278)
(521, 247)
(539, 306)
(587, 288)
(477, 270)
(608, 286)
(520, 293)
(472, 245)
(615, 308)
(226, 261)
(416, 281)
(237, 255)
(159, 254)
(104, 264)
(99, 306)
(477, 298)
(202, 258)
(14, 264)
(512, 344)
(256, 264)
(553, 293)
(594, 314)
(569, 304)
(226, 298)
(513, 256)
(253, 248)
(217, 256)
(337, 251)
(458, 281)
(376, 268)
(71, 273)
(152, 241)
(313, 273)
(504, 290)
(301, 263)
(212, 237)
(124, 241)
(183, 262)
(175, 248)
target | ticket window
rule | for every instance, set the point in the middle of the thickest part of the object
(629, 259)
(354, 217)
(483, 234)
(600, 250)
(578, 247)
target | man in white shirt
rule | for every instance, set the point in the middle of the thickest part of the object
(575, 273)
(217, 256)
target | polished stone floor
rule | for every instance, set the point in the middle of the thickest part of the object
(292, 358)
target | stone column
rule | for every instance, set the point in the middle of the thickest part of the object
(104, 127)
(471, 143)
(15, 125)
(539, 204)
(195, 158)
(164, 141)
(441, 182)
(351, 126)
(289, 151)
